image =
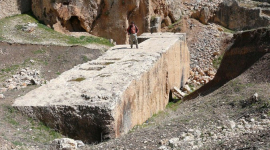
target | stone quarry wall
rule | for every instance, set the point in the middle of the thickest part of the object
(105, 98)
(150, 94)
(14, 7)
(105, 18)
(235, 17)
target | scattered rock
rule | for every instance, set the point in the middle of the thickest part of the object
(80, 143)
(231, 124)
(254, 97)
(29, 27)
(32, 61)
(187, 88)
(178, 93)
(164, 142)
(22, 79)
(264, 116)
(2, 96)
(163, 148)
(63, 144)
(173, 142)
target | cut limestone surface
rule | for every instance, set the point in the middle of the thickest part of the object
(106, 97)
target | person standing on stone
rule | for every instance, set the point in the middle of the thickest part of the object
(132, 31)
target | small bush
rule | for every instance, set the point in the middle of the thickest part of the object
(216, 62)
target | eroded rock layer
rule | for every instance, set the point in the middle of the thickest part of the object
(236, 17)
(105, 18)
(106, 97)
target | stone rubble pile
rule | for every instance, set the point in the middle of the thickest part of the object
(196, 139)
(202, 54)
(22, 79)
(29, 27)
(197, 5)
(66, 144)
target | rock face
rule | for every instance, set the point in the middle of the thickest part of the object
(248, 47)
(235, 17)
(106, 18)
(65, 16)
(106, 97)
(203, 10)
(14, 7)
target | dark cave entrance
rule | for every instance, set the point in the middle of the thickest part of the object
(74, 25)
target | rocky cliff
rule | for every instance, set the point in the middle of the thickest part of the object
(106, 18)
(236, 17)
(14, 7)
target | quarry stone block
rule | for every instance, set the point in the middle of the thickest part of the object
(107, 97)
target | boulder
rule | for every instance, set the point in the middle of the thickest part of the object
(105, 103)
(2, 96)
(173, 143)
(204, 15)
(63, 144)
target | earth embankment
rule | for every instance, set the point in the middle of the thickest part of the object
(50, 59)
(248, 47)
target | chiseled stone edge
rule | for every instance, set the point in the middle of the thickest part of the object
(83, 122)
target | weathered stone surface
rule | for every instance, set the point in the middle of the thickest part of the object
(203, 15)
(178, 93)
(235, 17)
(14, 7)
(107, 18)
(91, 104)
(2, 96)
(63, 144)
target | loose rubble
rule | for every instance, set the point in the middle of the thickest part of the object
(199, 138)
(66, 144)
(197, 5)
(202, 53)
(29, 27)
(2, 96)
(22, 79)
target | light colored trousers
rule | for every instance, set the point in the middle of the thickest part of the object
(133, 38)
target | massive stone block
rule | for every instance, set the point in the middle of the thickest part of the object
(106, 97)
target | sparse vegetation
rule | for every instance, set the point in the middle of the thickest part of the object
(31, 130)
(40, 51)
(11, 30)
(228, 30)
(173, 106)
(174, 24)
(217, 61)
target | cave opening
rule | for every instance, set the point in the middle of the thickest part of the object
(74, 25)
